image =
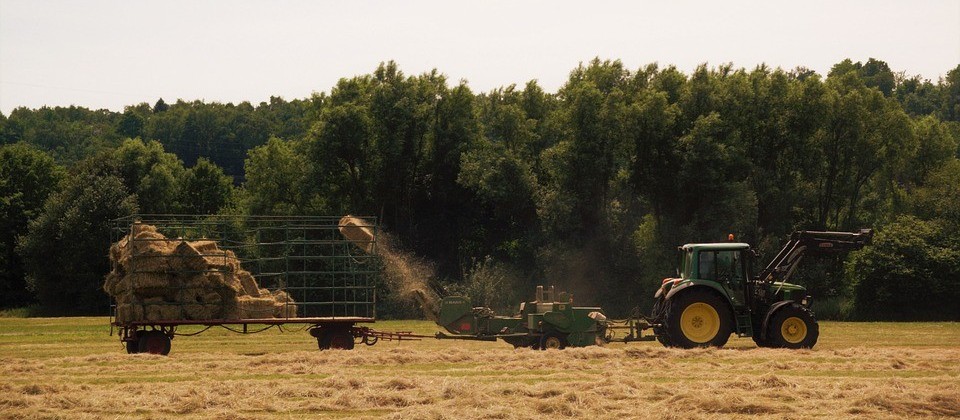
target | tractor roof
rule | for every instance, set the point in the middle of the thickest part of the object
(717, 246)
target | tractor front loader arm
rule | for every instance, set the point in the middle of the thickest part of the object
(804, 242)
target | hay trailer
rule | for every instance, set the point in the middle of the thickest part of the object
(246, 274)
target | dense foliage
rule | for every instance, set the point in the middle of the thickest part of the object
(589, 188)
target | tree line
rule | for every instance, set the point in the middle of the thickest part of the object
(589, 188)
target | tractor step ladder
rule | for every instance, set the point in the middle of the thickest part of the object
(744, 323)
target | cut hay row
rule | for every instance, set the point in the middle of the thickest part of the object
(278, 376)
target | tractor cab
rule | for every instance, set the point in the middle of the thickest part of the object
(724, 267)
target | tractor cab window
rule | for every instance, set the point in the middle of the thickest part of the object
(722, 266)
(730, 267)
(686, 264)
(707, 267)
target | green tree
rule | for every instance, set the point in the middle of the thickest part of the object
(278, 181)
(912, 272)
(918, 96)
(154, 175)
(205, 189)
(864, 145)
(341, 150)
(27, 177)
(132, 122)
(160, 106)
(64, 251)
(939, 198)
(950, 91)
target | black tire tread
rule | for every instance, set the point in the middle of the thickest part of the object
(775, 339)
(674, 307)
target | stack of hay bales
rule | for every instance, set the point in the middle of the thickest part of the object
(154, 278)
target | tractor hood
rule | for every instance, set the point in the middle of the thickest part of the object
(779, 285)
(786, 291)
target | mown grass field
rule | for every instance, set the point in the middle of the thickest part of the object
(71, 368)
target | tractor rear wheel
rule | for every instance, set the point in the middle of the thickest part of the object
(553, 340)
(793, 327)
(697, 318)
(760, 341)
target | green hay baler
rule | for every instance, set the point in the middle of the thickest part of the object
(551, 321)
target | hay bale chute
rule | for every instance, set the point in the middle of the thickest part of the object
(154, 278)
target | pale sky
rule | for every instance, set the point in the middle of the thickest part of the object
(107, 54)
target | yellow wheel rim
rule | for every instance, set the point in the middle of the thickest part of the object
(793, 330)
(551, 343)
(700, 322)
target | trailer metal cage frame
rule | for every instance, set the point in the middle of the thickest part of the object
(331, 279)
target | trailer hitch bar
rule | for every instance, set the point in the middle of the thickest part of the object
(370, 336)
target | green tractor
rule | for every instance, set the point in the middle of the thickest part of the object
(548, 322)
(715, 294)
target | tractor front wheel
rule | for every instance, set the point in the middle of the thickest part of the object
(697, 318)
(793, 327)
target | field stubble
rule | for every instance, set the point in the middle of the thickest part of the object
(71, 368)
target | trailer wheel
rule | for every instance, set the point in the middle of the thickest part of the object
(553, 340)
(697, 318)
(153, 342)
(336, 340)
(793, 327)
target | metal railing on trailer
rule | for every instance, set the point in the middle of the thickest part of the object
(186, 270)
